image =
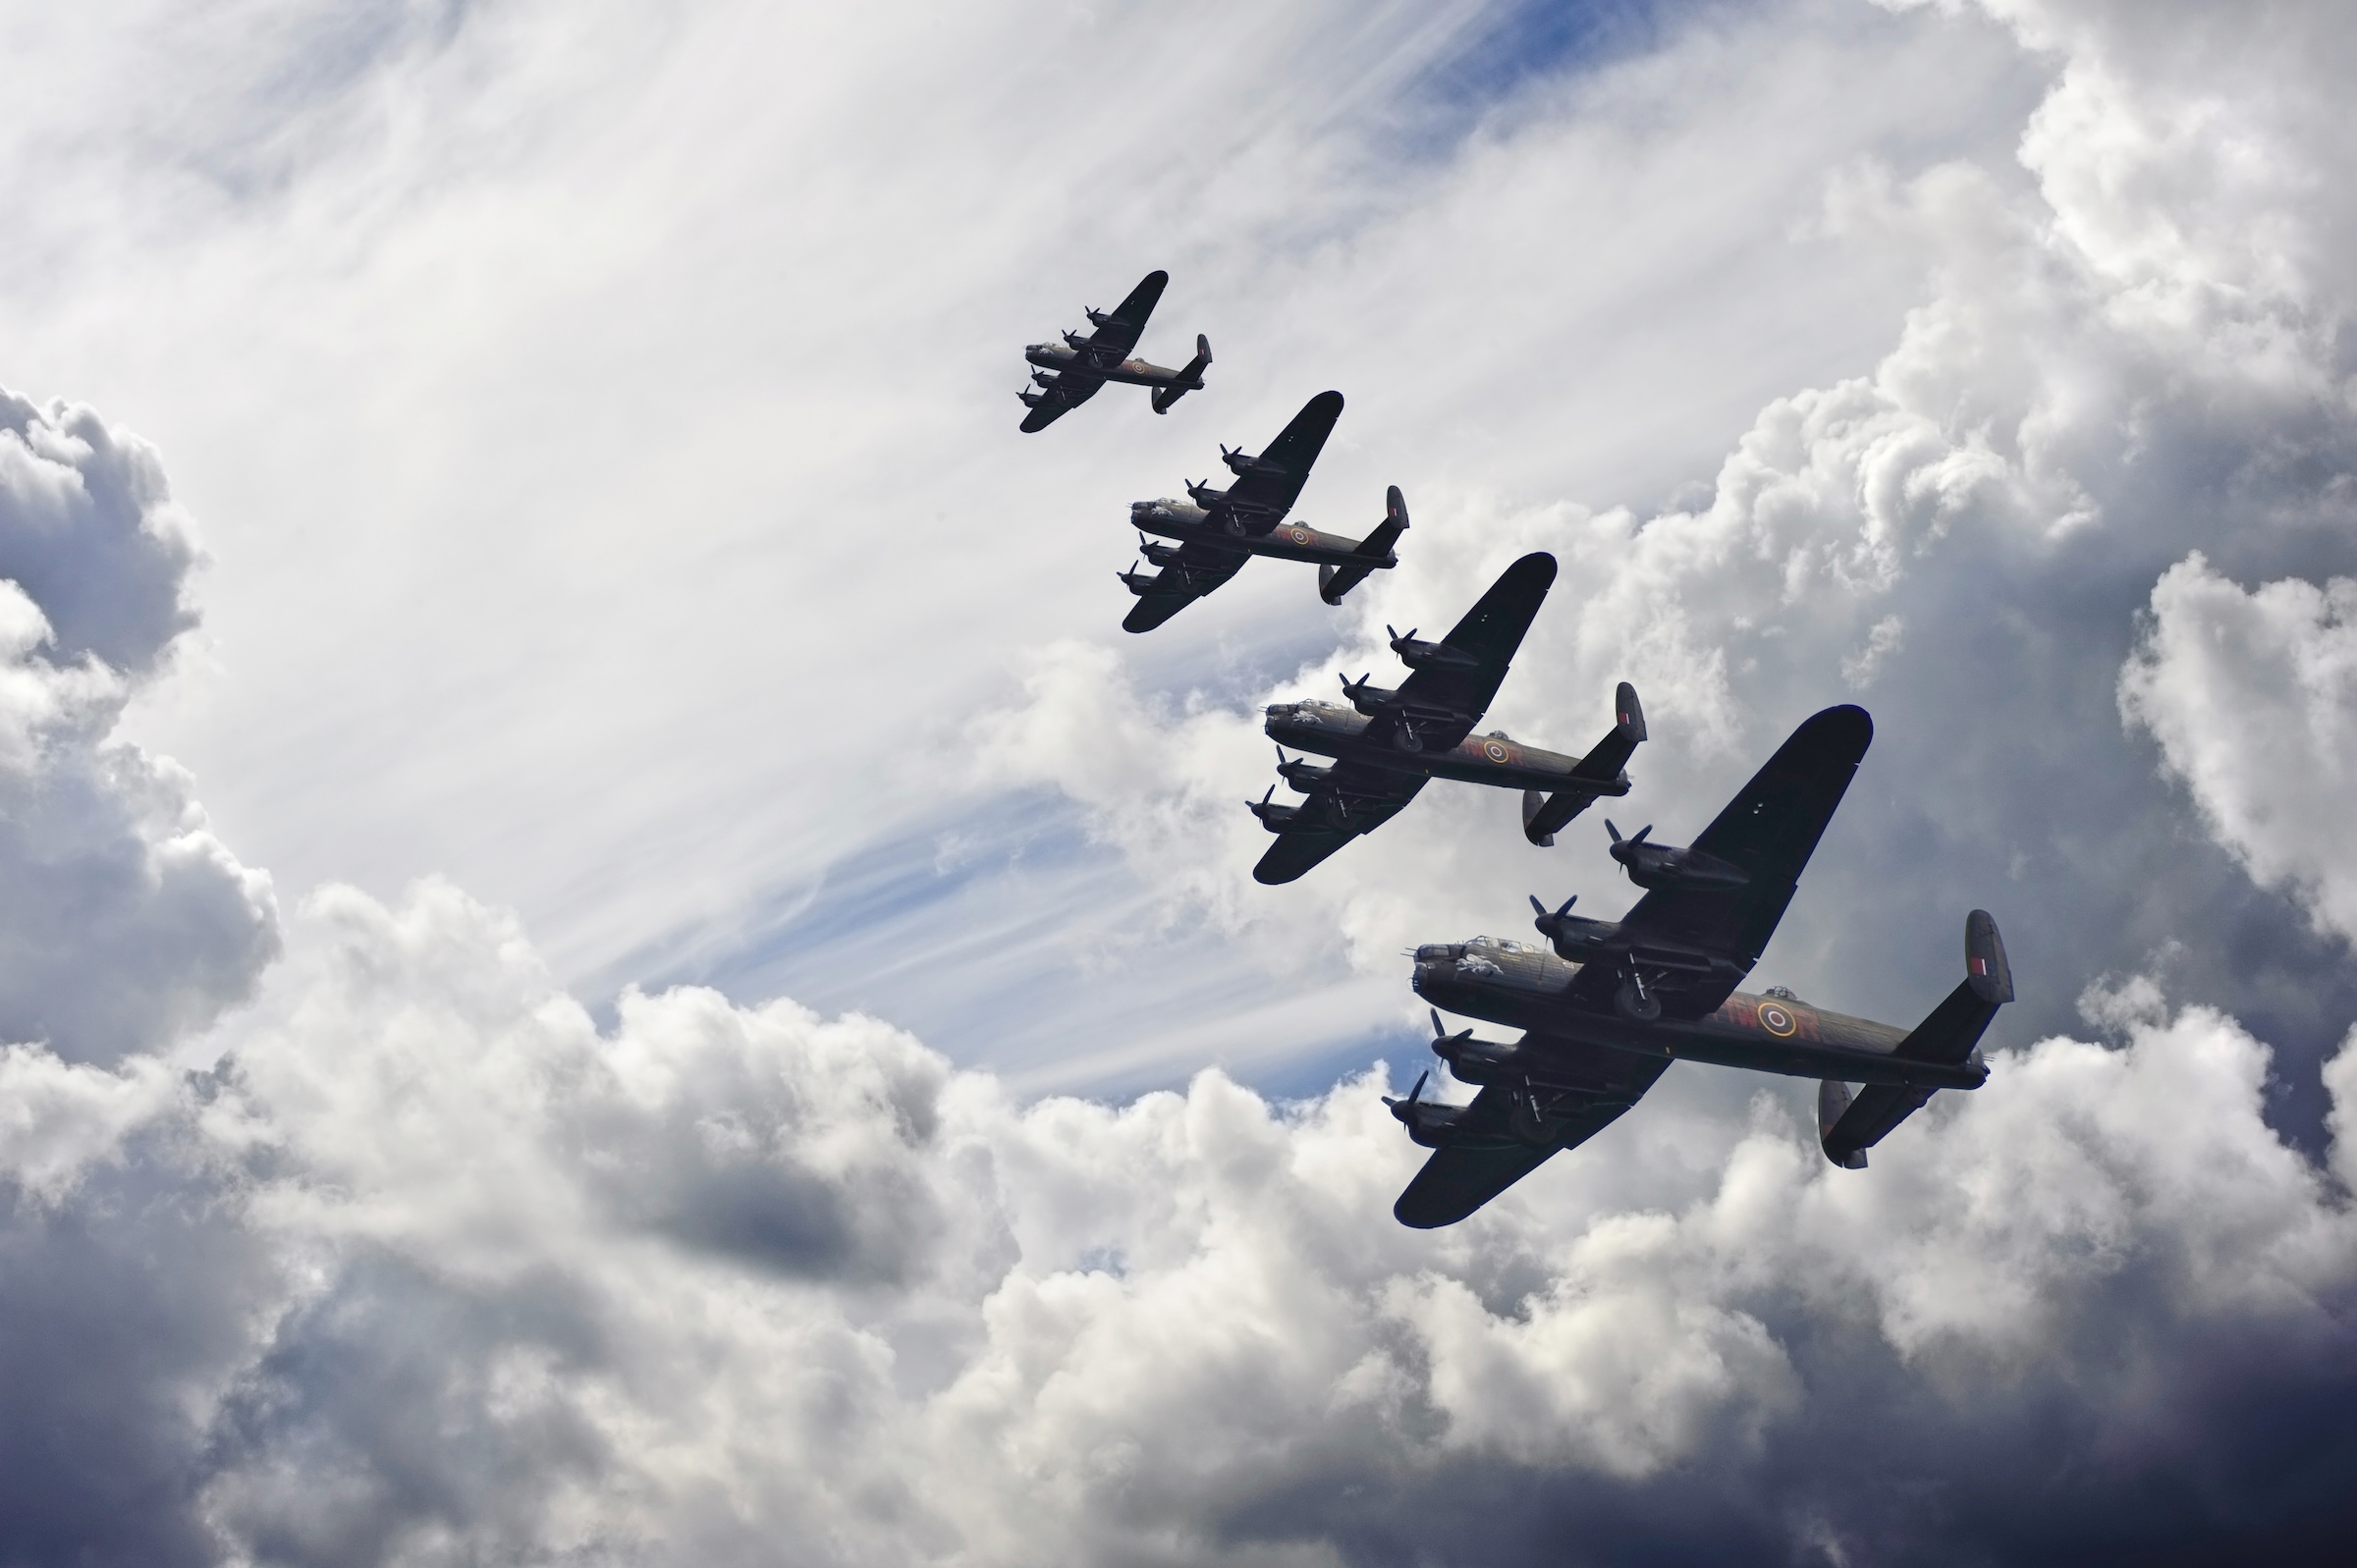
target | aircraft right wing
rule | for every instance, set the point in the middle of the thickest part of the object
(1500, 1142)
(1270, 485)
(1768, 832)
(1356, 799)
(1199, 570)
(1062, 393)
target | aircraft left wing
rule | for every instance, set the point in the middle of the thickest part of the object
(1199, 570)
(1509, 1132)
(1118, 333)
(1269, 485)
(1443, 699)
(1356, 800)
(1768, 832)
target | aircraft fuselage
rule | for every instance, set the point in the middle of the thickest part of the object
(1330, 729)
(1287, 541)
(1512, 982)
(1129, 372)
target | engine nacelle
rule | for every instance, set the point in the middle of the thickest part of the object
(1656, 865)
(1579, 940)
(1302, 774)
(1368, 700)
(1274, 816)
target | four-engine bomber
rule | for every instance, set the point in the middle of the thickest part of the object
(1615, 1002)
(1218, 530)
(1607, 1005)
(1389, 741)
(1067, 373)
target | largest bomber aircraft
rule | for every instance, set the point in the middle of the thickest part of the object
(1617, 1002)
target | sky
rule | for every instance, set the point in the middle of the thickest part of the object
(613, 960)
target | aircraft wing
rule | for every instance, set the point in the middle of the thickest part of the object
(1064, 392)
(1267, 491)
(1199, 569)
(1111, 343)
(1768, 832)
(1487, 635)
(1461, 1177)
(1356, 799)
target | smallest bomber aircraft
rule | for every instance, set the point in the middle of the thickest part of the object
(1069, 373)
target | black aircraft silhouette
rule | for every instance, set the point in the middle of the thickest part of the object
(1070, 372)
(1388, 743)
(1617, 1002)
(1218, 530)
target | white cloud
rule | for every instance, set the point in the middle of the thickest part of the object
(512, 1289)
(2253, 698)
(127, 922)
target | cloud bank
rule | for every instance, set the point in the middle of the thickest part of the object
(127, 923)
(450, 1277)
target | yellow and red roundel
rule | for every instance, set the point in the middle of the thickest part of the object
(1778, 1020)
(1300, 536)
(1494, 751)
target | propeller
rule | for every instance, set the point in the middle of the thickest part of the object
(1442, 1040)
(1548, 922)
(1404, 1108)
(1636, 838)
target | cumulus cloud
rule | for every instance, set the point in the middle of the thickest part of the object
(2252, 695)
(127, 921)
(747, 1285)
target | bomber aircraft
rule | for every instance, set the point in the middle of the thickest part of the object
(1387, 743)
(1617, 1002)
(1068, 373)
(1218, 530)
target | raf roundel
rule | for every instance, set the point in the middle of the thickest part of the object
(1778, 1021)
(1494, 751)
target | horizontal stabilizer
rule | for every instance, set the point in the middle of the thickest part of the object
(1190, 377)
(1847, 1127)
(1850, 1127)
(1544, 816)
(1334, 582)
